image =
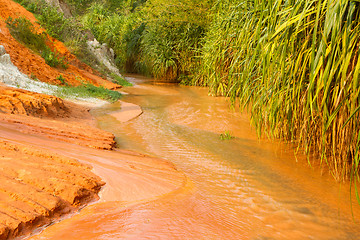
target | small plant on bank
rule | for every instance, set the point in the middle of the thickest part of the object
(54, 59)
(33, 77)
(226, 136)
(62, 80)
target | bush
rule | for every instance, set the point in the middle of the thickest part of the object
(23, 31)
(54, 22)
(167, 38)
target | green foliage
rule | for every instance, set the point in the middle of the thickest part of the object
(68, 30)
(23, 30)
(226, 136)
(296, 65)
(107, 27)
(156, 37)
(54, 59)
(88, 91)
(172, 37)
(32, 5)
(120, 80)
(53, 21)
(62, 80)
(79, 7)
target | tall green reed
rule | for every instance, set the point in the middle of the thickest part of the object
(295, 65)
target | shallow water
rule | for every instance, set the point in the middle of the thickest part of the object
(243, 188)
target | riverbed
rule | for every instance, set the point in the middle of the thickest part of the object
(241, 188)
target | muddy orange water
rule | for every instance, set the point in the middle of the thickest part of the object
(242, 188)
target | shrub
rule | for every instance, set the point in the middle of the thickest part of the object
(54, 22)
(24, 31)
(53, 59)
(62, 80)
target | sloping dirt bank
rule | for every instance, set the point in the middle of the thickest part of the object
(48, 150)
(62, 120)
(30, 63)
(39, 186)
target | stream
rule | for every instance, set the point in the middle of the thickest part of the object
(242, 188)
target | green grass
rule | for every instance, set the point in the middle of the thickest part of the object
(120, 80)
(24, 31)
(88, 91)
(226, 136)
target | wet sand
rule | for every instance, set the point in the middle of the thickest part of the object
(127, 112)
(130, 178)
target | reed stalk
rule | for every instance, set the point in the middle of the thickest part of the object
(295, 65)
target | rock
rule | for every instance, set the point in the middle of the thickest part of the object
(11, 76)
(2, 50)
(5, 59)
(104, 54)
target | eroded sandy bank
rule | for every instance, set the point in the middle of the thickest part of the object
(49, 160)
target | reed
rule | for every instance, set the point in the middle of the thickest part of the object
(295, 65)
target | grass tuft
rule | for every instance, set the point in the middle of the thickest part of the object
(226, 136)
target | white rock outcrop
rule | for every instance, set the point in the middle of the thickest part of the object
(11, 76)
(104, 54)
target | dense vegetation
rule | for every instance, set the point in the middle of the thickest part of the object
(293, 63)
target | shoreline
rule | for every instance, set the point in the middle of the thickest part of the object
(74, 145)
